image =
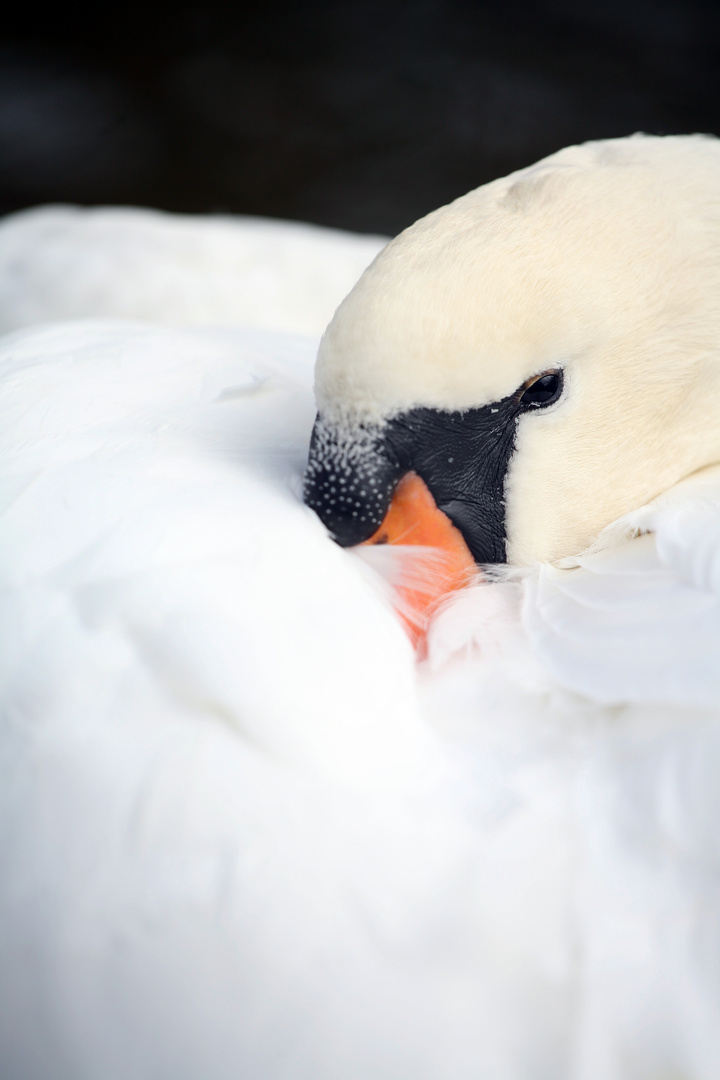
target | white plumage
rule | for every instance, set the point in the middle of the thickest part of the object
(63, 262)
(242, 835)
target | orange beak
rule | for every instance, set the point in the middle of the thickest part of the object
(413, 518)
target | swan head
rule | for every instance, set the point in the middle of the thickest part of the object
(544, 353)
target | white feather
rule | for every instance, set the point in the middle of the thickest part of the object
(60, 262)
(241, 835)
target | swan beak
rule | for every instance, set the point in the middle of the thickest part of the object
(444, 565)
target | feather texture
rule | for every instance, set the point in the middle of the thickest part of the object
(243, 834)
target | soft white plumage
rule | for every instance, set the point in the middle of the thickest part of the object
(242, 835)
(63, 262)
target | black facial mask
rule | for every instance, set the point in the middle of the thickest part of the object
(462, 456)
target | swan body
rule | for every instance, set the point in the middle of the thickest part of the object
(63, 262)
(244, 833)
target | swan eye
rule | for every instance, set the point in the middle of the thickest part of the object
(543, 391)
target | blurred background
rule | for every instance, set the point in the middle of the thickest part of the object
(352, 113)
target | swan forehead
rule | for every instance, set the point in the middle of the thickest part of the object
(524, 274)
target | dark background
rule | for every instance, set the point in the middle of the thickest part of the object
(351, 113)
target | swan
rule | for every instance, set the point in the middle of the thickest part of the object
(244, 831)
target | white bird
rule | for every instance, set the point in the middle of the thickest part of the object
(243, 832)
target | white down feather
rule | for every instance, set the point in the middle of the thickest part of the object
(243, 836)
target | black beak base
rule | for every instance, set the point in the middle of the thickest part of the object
(461, 456)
